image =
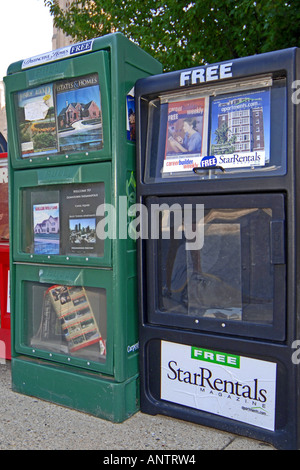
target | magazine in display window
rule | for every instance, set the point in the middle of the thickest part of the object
(68, 323)
(67, 225)
(79, 219)
(79, 116)
(130, 113)
(46, 228)
(37, 122)
(186, 136)
(60, 117)
(74, 311)
(240, 129)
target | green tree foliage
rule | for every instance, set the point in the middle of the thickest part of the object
(182, 33)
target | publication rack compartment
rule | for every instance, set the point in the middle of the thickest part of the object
(59, 215)
(60, 116)
(65, 315)
(230, 277)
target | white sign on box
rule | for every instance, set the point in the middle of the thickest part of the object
(236, 387)
(58, 54)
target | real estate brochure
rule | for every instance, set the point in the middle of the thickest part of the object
(79, 115)
(240, 129)
(46, 228)
(37, 122)
(79, 204)
(67, 225)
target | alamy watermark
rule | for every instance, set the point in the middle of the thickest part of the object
(296, 344)
(296, 354)
(296, 93)
(158, 221)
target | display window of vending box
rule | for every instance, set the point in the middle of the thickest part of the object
(57, 214)
(218, 256)
(64, 334)
(234, 283)
(62, 115)
(71, 127)
(209, 133)
(64, 315)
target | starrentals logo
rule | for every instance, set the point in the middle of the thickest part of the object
(209, 379)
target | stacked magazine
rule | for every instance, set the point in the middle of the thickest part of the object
(68, 320)
(78, 322)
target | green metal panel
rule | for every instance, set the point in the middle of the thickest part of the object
(63, 385)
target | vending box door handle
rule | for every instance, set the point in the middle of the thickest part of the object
(55, 276)
(277, 242)
(59, 175)
(200, 169)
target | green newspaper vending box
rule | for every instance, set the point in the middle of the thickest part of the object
(71, 127)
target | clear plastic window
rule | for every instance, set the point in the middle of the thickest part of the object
(217, 132)
(231, 277)
(60, 117)
(62, 220)
(70, 320)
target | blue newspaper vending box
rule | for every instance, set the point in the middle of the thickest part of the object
(218, 256)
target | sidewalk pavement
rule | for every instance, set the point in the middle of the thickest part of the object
(28, 423)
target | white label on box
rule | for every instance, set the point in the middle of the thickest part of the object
(236, 387)
(58, 54)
